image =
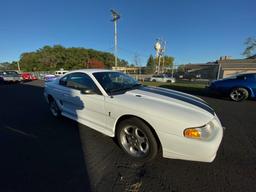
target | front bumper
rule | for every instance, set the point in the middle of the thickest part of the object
(177, 147)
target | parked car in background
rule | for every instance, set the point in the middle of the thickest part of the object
(48, 78)
(28, 76)
(146, 121)
(60, 73)
(10, 76)
(238, 87)
(162, 78)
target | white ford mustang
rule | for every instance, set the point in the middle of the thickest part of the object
(146, 121)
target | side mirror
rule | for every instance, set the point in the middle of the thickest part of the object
(87, 91)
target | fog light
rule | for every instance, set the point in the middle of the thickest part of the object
(192, 133)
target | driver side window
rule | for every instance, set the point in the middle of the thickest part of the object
(63, 80)
(82, 81)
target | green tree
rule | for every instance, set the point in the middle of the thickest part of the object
(250, 47)
(56, 57)
(152, 62)
(151, 65)
(168, 61)
(181, 69)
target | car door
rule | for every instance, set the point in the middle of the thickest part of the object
(84, 101)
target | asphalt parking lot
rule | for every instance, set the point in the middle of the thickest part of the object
(41, 153)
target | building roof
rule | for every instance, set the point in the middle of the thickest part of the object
(238, 63)
(200, 65)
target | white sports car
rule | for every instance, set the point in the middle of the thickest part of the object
(146, 121)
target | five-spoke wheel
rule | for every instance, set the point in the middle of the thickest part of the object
(137, 139)
(238, 94)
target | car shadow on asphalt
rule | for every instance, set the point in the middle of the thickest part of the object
(38, 151)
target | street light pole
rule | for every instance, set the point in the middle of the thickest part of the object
(160, 48)
(159, 64)
(115, 16)
(115, 25)
(18, 63)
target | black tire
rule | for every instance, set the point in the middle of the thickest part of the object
(54, 108)
(238, 94)
(153, 80)
(142, 145)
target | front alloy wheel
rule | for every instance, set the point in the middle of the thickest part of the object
(137, 140)
(239, 94)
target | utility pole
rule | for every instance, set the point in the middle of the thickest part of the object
(172, 69)
(162, 51)
(219, 69)
(18, 63)
(115, 16)
(137, 64)
(160, 48)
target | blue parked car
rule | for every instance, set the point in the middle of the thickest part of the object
(238, 88)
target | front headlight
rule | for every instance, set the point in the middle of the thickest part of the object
(205, 132)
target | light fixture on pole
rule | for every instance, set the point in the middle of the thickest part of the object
(115, 16)
(160, 48)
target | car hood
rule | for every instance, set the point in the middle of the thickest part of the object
(168, 104)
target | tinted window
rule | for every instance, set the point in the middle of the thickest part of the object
(11, 73)
(241, 77)
(115, 81)
(251, 76)
(63, 80)
(81, 81)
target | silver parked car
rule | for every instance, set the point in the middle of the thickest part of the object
(10, 76)
(162, 78)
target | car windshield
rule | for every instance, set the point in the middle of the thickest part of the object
(115, 82)
(11, 73)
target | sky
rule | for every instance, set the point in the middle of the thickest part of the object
(196, 31)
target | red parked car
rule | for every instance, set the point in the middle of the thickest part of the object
(28, 77)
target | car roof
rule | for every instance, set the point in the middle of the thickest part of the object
(62, 71)
(91, 71)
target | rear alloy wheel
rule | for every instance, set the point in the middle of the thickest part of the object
(137, 140)
(54, 108)
(239, 94)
